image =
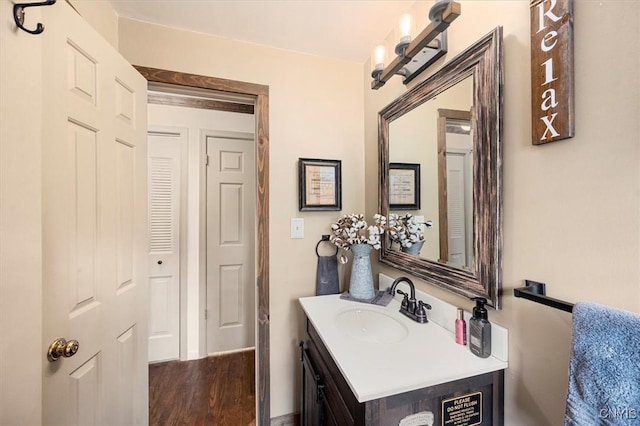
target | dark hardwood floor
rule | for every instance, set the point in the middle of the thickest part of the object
(218, 390)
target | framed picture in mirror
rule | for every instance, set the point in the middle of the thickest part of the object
(319, 184)
(404, 186)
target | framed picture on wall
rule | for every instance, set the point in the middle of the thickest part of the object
(404, 186)
(319, 184)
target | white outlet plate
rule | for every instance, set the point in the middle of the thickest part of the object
(297, 227)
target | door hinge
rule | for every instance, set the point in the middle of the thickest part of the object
(206, 160)
(206, 314)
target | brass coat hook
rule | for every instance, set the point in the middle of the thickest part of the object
(18, 15)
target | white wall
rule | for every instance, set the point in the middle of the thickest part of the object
(195, 121)
(571, 208)
(21, 353)
(315, 111)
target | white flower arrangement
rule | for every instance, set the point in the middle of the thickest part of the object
(353, 229)
(405, 229)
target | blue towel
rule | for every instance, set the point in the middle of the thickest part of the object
(604, 369)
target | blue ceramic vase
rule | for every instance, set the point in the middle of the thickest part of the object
(414, 249)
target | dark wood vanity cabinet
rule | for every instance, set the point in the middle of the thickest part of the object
(328, 400)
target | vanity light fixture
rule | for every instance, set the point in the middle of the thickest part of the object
(413, 55)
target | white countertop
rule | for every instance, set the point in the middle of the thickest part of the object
(428, 356)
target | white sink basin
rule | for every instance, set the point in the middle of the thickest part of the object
(371, 326)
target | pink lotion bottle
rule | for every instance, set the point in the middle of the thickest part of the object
(461, 328)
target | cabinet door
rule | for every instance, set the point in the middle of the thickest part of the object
(310, 404)
(327, 417)
(338, 404)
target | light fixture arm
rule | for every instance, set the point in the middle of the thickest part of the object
(435, 28)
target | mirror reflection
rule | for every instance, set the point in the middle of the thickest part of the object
(440, 159)
(435, 139)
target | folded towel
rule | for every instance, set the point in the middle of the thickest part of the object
(381, 298)
(327, 281)
(604, 369)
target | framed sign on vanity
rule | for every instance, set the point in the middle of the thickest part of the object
(319, 184)
(404, 186)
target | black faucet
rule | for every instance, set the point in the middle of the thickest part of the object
(409, 307)
(397, 281)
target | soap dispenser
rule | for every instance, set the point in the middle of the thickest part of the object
(480, 330)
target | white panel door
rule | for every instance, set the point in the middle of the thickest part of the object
(94, 226)
(231, 216)
(164, 243)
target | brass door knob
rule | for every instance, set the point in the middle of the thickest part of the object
(61, 348)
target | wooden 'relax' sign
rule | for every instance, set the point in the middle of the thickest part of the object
(551, 70)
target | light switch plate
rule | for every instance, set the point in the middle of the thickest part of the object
(297, 227)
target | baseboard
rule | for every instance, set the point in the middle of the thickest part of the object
(292, 419)
(233, 351)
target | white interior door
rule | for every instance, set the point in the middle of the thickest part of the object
(459, 206)
(94, 226)
(231, 216)
(164, 164)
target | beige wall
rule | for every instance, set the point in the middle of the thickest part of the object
(21, 354)
(101, 16)
(571, 210)
(315, 111)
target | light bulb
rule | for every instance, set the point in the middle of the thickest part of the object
(403, 32)
(405, 27)
(378, 57)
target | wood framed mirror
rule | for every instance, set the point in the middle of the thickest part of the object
(451, 124)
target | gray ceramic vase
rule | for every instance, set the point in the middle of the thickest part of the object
(361, 283)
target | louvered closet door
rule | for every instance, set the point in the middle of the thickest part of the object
(456, 208)
(164, 245)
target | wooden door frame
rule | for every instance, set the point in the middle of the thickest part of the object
(261, 95)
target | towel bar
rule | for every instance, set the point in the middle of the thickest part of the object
(536, 292)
